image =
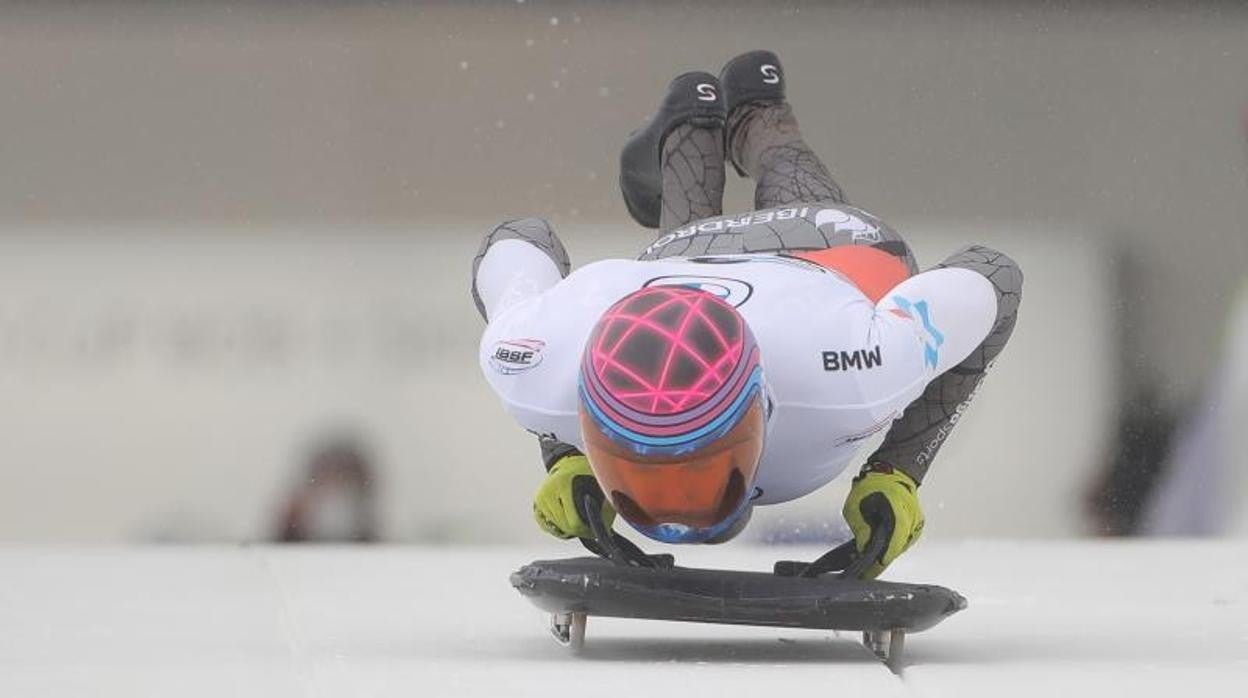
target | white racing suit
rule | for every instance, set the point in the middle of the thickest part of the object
(854, 340)
(848, 341)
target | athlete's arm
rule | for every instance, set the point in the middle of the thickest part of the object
(963, 312)
(518, 261)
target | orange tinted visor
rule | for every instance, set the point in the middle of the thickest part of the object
(699, 489)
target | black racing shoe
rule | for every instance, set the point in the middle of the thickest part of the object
(692, 98)
(750, 78)
(756, 76)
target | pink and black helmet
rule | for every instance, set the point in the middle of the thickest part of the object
(673, 413)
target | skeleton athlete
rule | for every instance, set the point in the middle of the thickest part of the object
(741, 360)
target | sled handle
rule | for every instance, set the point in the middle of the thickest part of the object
(607, 543)
(844, 558)
(874, 550)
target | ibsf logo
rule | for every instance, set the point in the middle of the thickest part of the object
(511, 356)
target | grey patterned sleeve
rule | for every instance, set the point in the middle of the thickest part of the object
(535, 231)
(914, 439)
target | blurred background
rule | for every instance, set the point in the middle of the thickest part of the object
(235, 241)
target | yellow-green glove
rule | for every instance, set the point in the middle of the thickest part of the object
(884, 498)
(554, 506)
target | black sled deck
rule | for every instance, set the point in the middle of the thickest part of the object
(573, 589)
(597, 587)
(625, 582)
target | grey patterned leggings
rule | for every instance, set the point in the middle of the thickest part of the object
(764, 143)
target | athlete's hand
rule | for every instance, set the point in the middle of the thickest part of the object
(887, 500)
(554, 507)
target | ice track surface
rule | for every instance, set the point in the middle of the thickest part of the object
(1065, 619)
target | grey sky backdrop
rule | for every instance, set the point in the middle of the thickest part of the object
(1118, 118)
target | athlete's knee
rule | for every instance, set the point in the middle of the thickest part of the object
(535, 231)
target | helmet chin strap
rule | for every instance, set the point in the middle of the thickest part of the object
(607, 543)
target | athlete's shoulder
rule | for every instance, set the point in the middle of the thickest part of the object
(548, 323)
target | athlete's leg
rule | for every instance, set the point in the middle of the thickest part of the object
(672, 169)
(914, 439)
(693, 175)
(764, 141)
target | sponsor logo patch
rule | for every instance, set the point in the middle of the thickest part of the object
(856, 360)
(846, 222)
(511, 356)
(734, 292)
(728, 224)
(920, 314)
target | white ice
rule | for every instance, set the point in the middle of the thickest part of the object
(1070, 619)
